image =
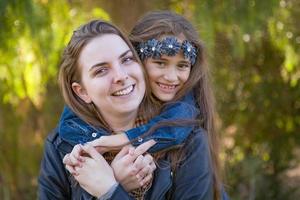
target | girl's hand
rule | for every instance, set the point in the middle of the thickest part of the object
(131, 168)
(94, 175)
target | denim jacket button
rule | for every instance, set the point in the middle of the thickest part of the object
(94, 135)
(140, 139)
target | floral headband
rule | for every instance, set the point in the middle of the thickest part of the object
(169, 46)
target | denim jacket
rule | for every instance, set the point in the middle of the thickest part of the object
(192, 179)
(74, 130)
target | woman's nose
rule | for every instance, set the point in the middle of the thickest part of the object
(120, 74)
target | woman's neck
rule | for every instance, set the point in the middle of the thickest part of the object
(121, 122)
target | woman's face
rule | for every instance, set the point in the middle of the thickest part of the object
(167, 75)
(111, 77)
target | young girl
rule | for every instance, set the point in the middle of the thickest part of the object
(174, 59)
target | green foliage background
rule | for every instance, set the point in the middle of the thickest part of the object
(254, 52)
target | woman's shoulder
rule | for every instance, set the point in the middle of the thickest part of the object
(55, 142)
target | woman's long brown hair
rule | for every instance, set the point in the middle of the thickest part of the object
(164, 23)
(70, 72)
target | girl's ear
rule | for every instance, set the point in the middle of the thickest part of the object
(81, 92)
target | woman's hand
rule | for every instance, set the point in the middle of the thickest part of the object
(94, 175)
(74, 159)
(132, 170)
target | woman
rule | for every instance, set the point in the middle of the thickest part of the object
(103, 82)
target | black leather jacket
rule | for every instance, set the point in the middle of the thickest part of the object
(192, 179)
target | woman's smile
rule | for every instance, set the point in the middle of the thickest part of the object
(124, 92)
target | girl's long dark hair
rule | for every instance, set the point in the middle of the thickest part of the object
(163, 23)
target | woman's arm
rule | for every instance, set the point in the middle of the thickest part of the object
(52, 181)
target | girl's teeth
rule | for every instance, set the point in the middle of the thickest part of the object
(170, 87)
(124, 92)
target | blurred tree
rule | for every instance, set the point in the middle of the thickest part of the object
(253, 49)
(33, 34)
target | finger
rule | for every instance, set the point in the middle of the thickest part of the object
(139, 163)
(122, 153)
(143, 172)
(73, 161)
(66, 159)
(91, 151)
(153, 166)
(148, 159)
(131, 150)
(146, 180)
(71, 170)
(77, 152)
(141, 149)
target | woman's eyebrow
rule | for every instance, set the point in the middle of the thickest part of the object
(103, 63)
(124, 54)
(97, 65)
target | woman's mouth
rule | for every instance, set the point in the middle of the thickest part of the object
(124, 91)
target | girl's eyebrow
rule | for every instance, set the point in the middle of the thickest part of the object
(184, 62)
(160, 59)
(103, 63)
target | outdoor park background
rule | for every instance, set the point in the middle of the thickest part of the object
(254, 54)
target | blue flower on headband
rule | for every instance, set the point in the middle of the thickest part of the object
(189, 51)
(154, 48)
(143, 51)
(170, 46)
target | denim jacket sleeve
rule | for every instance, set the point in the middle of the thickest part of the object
(74, 130)
(193, 178)
(52, 181)
(167, 136)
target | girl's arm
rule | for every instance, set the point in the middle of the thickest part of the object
(165, 137)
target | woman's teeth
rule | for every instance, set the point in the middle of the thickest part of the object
(124, 92)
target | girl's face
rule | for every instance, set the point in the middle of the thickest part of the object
(111, 77)
(167, 75)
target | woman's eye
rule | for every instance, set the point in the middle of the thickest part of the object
(101, 71)
(128, 60)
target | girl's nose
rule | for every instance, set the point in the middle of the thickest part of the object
(171, 74)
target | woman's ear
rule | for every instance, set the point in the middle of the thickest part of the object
(81, 92)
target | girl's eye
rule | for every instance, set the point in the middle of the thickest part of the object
(101, 71)
(184, 67)
(160, 64)
(128, 60)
